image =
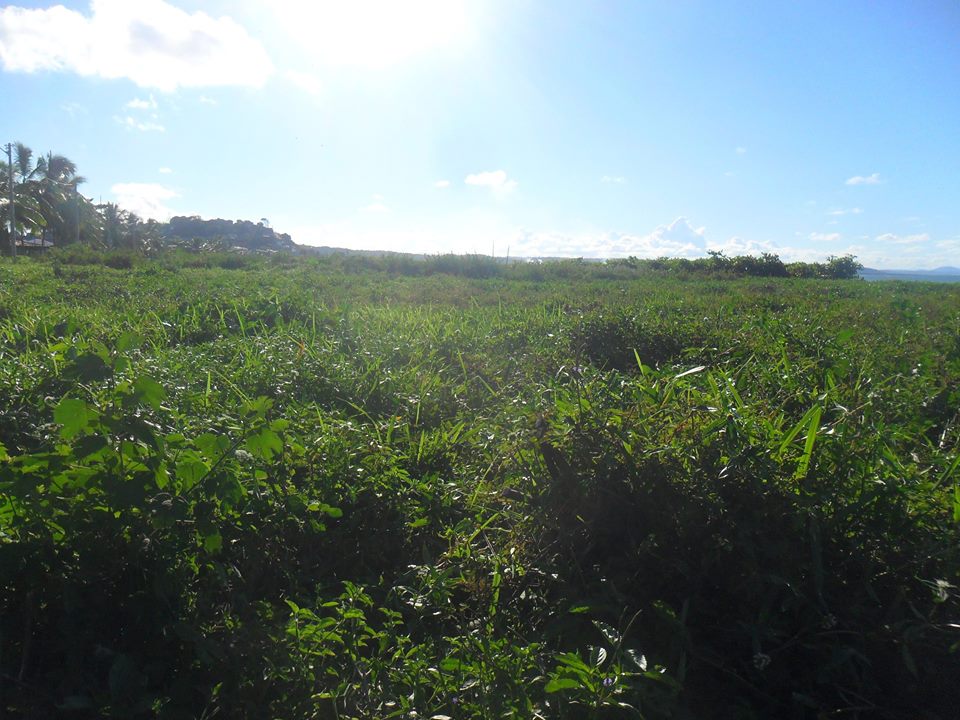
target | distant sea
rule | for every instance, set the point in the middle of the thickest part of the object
(942, 275)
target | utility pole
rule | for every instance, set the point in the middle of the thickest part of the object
(13, 210)
(76, 199)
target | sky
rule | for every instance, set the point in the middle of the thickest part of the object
(573, 128)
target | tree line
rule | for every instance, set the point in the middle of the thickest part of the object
(48, 209)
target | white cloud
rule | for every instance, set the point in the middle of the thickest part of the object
(678, 239)
(164, 171)
(873, 179)
(150, 42)
(891, 251)
(377, 206)
(480, 233)
(741, 151)
(841, 211)
(73, 109)
(131, 123)
(741, 246)
(310, 84)
(736, 246)
(442, 184)
(145, 199)
(824, 237)
(204, 100)
(903, 239)
(141, 104)
(613, 179)
(494, 179)
(357, 235)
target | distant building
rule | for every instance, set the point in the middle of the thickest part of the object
(31, 244)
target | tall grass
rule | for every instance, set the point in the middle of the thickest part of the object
(280, 490)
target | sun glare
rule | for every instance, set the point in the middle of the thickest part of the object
(373, 33)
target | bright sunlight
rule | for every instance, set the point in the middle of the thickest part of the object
(373, 33)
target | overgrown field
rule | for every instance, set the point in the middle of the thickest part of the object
(281, 491)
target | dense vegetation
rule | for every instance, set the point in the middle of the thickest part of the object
(284, 488)
(49, 209)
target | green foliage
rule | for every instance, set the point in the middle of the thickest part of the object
(265, 489)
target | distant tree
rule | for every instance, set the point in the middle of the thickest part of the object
(71, 216)
(126, 230)
(803, 270)
(842, 267)
(225, 234)
(46, 198)
(26, 195)
(718, 261)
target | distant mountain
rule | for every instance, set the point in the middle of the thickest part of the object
(940, 274)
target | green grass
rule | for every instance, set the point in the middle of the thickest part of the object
(292, 489)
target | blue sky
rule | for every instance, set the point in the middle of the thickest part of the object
(534, 127)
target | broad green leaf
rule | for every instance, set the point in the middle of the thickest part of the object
(574, 661)
(258, 407)
(211, 446)
(213, 542)
(162, 477)
(90, 367)
(638, 660)
(609, 632)
(557, 684)
(598, 655)
(149, 391)
(265, 444)
(191, 468)
(329, 510)
(129, 341)
(74, 415)
(89, 445)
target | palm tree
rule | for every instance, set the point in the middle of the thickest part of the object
(27, 207)
(45, 195)
(125, 229)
